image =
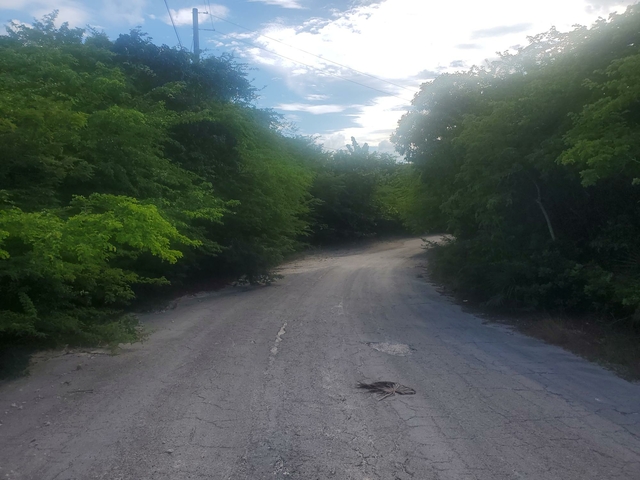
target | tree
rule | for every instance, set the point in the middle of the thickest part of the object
(348, 187)
(530, 162)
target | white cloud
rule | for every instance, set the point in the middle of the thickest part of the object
(338, 141)
(184, 16)
(127, 11)
(281, 3)
(315, 97)
(10, 24)
(72, 11)
(374, 122)
(14, 4)
(314, 109)
(80, 13)
(605, 6)
(333, 141)
(396, 39)
(75, 15)
(407, 42)
(386, 147)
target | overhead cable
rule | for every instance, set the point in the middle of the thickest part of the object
(174, 24)
(211, 15)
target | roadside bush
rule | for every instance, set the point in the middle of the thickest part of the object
(61, 272)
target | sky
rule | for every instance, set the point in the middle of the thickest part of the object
(334, 69)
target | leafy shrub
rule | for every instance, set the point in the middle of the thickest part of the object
(61, 272)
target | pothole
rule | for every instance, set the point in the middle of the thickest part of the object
(398, 349)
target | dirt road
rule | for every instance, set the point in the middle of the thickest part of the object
(258, 383)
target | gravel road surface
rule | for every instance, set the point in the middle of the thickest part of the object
(259, 383)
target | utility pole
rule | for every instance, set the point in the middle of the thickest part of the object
(196, 34)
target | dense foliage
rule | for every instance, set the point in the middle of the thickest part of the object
(127, 166)
(349, 188)
(532, 164)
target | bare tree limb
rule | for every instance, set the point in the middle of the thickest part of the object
(544, 212)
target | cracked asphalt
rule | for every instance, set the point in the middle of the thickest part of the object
(259, 383)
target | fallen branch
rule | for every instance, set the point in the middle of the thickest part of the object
(386, 389)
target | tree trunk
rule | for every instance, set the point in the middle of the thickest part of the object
(544, 212)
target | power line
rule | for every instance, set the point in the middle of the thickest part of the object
(312, 54)
(318, 69)
(174, 24)
(210, 15)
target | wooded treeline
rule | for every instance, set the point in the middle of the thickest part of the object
(126, 166)
(532, 163)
